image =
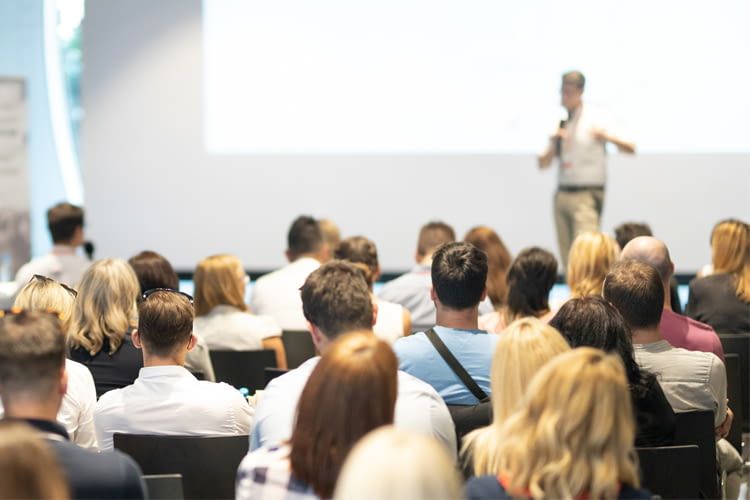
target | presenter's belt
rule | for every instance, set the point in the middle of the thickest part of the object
(576, 189)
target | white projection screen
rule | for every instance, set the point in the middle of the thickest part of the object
(211, 124)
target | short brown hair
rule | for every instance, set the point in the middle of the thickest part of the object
(351, 391)
(574, 78)
(165, 321)
(62, 221)
(336, 299)
(32, 354)
(636, 290)
(153, 271)
(432, 236)
(359, 250)
(305, 236)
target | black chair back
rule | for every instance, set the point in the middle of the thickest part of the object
(243, 368)
(272, 373)
(299, 347)
(734, 394)
(208, 465)
(697, 427)
(164, 486)
(739, 344)
(670, 471)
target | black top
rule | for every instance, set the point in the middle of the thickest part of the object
(713, 300)
(655, 420)
(109, 474)
(489, 488)
(111, 371)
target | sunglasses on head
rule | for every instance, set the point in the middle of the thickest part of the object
(45, 279)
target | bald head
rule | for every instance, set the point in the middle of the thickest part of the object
(651, 251)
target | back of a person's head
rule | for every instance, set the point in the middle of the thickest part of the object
(576, 424)
(336, 299)
(331, 235)
(730, 253)
(63, 220)
(651, 251)
(393, 463)
(28, 465)
(459, 275)
(590, 259)
(351, 391)
(433, 235)
(165, 322)
(498, 261)
(305, 237)
(32, 357)
(153, 271)
(360, 250)
(629, 230)
(523, 348)
(219, 280)
(636, 290)
(531, 276)
(105, 307)
(47, 295)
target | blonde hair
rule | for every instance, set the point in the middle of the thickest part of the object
(105, 306)
(730, 253)
(219, 281)
(46, 294)
(523, 348)
(590, 259)
(392, 463)
(573, 433)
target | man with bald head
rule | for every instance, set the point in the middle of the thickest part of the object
(678, 330)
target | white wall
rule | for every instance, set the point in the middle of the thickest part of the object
(150, 184)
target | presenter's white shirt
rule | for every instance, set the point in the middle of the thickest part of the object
(62, 264)
(169, 400)
(277, 294)
(418, 408)
(227, 328)
(583, 158)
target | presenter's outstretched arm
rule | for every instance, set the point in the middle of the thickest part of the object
(622, 146)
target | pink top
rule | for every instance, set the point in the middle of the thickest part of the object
(681, 331)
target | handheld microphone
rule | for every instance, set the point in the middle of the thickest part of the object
(88, 249)
(558, 141)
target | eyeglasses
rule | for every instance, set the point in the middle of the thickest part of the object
(45, 279)
(149, 293)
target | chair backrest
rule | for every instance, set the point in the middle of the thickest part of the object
(468, 418)
(734, 394)
(697, 427)
(243, 368)
(164, 486)
(670, 471)
(272, 373)
(208, 465)
(299, 347)
(739, 344)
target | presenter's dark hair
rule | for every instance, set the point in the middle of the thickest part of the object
(531, 276)
(574, 78)
(62, 221)
(305, 236)
(636, 290)
(630, 230)
(153, 271)
(459, 275)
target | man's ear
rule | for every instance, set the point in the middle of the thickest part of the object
(192, 342)
(374, 312)
(484, 295)
(289, 255)
(315, 333)
(433, 295)
(63, 381)
(136, 337)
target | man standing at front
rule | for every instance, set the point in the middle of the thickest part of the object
(579, 144)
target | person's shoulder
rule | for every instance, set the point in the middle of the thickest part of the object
(416, 342)
(112, 399)
(77, 370)
(485, 487)
(413, 387)
(710, 282)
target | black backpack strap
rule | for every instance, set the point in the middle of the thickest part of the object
(454, 365)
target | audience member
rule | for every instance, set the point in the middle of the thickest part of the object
(531, 277)
(277, 294)
(459, 275)
(678, 330)
(590, 259)
(412, 290)
(331, 236)
(28, 468)
(77, 410)
(103, 318)
(336, 300)
(522, 350)
(592, 321)
(166, 398)
(63, 263)
(154, 271)
(394, 320)
(572, 436)
(391, 463)
(351, 391)
(498, 262)
(34, 379)
(221, 316)
(722, 299)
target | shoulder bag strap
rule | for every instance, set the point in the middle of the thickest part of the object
(454, 365)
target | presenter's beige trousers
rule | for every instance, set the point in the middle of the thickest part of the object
(576, 211)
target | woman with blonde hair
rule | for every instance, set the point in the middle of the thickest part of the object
(571, 437)
(76, 412)
(393, 463)
(722, 299)
(522, 350)
(590, 259)
(221, 316)
(105, 314)
(498, 261)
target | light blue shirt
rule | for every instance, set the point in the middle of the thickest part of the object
(472, 348)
